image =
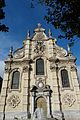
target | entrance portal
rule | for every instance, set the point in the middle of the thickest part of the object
(41, 103)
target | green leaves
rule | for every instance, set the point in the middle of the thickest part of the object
(2, 14)
(64, 15)
(3, 27)
(2, 3)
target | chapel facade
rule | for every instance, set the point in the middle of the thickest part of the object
(41, 74)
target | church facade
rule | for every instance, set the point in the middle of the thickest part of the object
(41, 74)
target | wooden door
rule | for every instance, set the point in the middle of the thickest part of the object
(41, 103)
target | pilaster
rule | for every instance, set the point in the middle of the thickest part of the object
(3, 91)
(25, 88)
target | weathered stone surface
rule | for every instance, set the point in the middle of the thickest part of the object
(39, 90)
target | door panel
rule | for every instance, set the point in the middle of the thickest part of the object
(41, 103)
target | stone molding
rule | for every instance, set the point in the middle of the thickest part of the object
(69, 99)
(7, 69)
(19, 53)
(52, 67)
(25, 69)
(13, 101)
(73, 68)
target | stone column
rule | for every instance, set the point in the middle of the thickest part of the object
(3, 94)
(33, 103)
(25, 90)
(75, 84)
(48, 106)
(56, 109)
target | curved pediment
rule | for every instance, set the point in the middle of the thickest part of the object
(19, 53)
(59, 51)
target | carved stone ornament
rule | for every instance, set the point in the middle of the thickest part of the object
(73, 68)
(40, 36)
(69, 99)
(40, 83)
(6, 69)
(19, 53)
(14, 101)
(52, 67)
(58, 51)
(39, 47)
(25, 68)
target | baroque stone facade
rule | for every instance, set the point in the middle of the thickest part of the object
(41, 74)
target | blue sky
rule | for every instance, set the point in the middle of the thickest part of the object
(20, 18)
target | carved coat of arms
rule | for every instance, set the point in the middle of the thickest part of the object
(39, 47)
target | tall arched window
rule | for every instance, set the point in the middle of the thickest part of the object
(65, 78)
(15, 80)
(39, 66)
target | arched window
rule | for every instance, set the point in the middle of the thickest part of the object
(65, 78)
(15, 80)
(39, 66)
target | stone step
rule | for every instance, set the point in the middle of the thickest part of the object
(46, 119)
(51, 119)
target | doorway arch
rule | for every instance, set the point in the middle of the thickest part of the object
(41, 103)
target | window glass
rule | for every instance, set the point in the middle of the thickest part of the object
(15, 80)
(39, 66)
(65, 78)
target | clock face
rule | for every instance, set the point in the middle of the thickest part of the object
(40, 85)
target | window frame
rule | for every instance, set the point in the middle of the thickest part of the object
(11, 75)
(70, 79)
(13, 78)
(45, 64)
(63, 81)
(37, 72)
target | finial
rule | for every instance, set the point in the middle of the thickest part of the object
(39, 25)
(28, 34)
(10, 52)
(54, 41)
(49, 33)
(69, 48)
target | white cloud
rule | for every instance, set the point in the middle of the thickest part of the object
(1, 68)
